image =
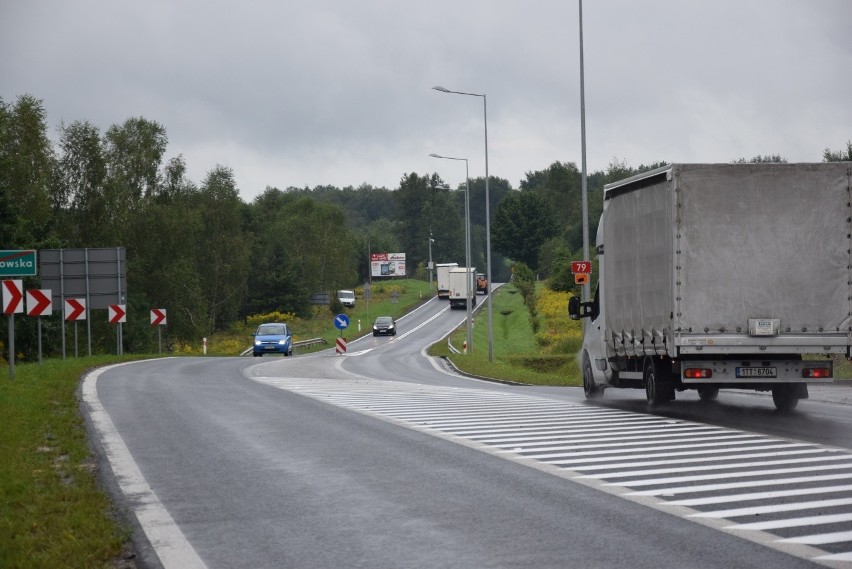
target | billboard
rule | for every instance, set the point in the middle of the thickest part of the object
(387, 264)
(98, 275)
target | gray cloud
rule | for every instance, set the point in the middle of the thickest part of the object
(339, 92)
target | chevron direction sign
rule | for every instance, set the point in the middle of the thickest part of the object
(117, 313)
(158, 317)
(75, 309)
(39, 302)
(13, 294)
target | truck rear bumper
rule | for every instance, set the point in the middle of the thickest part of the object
(723, 344)
(697, 372)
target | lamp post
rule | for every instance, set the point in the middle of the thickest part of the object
(584, 183)
(487, 216)
(466, 245)
(430, 257)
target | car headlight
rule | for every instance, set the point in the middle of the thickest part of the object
(257, 342)
(390, 327)
(283, 342)
(375, 328)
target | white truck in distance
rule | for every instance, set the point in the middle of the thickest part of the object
(462, 287)
(442, 271)
(721, 276)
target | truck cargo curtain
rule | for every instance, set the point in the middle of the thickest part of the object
(637, 264)
(773, 243)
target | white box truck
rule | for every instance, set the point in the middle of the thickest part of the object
(462, 287)
(442, 271)
(721, 276)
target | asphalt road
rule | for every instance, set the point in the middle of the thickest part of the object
(383, 458)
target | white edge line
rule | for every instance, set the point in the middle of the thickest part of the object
(166, 538)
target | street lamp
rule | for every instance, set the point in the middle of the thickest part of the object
(584, 180)
(466, 245)
(430, 257)
(487, 216)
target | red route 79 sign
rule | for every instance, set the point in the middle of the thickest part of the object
(581, 267)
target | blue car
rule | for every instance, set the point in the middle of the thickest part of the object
(273, 339)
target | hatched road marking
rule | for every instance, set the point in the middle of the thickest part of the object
(643, 458)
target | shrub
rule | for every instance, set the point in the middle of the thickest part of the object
(335, 306)
(256, 320)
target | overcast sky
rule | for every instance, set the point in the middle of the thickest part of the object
(339, 92)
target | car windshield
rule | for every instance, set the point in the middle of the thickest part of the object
(384, 320)
(272, 330)
(346, 294)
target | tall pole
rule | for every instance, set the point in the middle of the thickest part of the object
(466, 245)
(468, 274)
(584, 185)
(487, 216)
(430, 258)
(488, 237)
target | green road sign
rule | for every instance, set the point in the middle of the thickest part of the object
(18, 263)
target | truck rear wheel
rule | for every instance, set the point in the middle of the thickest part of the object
(785, 397)
(591, 390)
(658, 389)
(708, 393)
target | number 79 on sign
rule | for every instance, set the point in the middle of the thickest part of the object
(581, 267)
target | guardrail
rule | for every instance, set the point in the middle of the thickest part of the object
(296, 345)
(309, 343)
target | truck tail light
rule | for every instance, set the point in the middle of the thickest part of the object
(697, 373)
(816, 372)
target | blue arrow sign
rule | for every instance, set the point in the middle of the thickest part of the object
(341, 322)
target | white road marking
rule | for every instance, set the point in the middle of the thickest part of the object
(164, 535)
(598, 447)
(774, 509)
(794, 522)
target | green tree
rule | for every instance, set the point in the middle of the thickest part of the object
(425, 204)
(318, 244)
(164, 273)
(838, 155)
(222, 255)
(26, 172)
(765, 159)
(133, 153)
(498, 188)
(559, 186)
(274, 281)
(78, 190)
(523, 222)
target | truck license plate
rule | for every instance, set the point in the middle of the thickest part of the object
(756, 372)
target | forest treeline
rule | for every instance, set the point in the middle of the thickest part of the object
(198, 250)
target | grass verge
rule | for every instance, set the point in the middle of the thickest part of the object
(53, 513)
(518, 354)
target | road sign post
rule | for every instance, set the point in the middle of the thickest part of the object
(75, 309)
(12, 295)
(158, 319)
(39, 303)
(341, 322)
(117, 314)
